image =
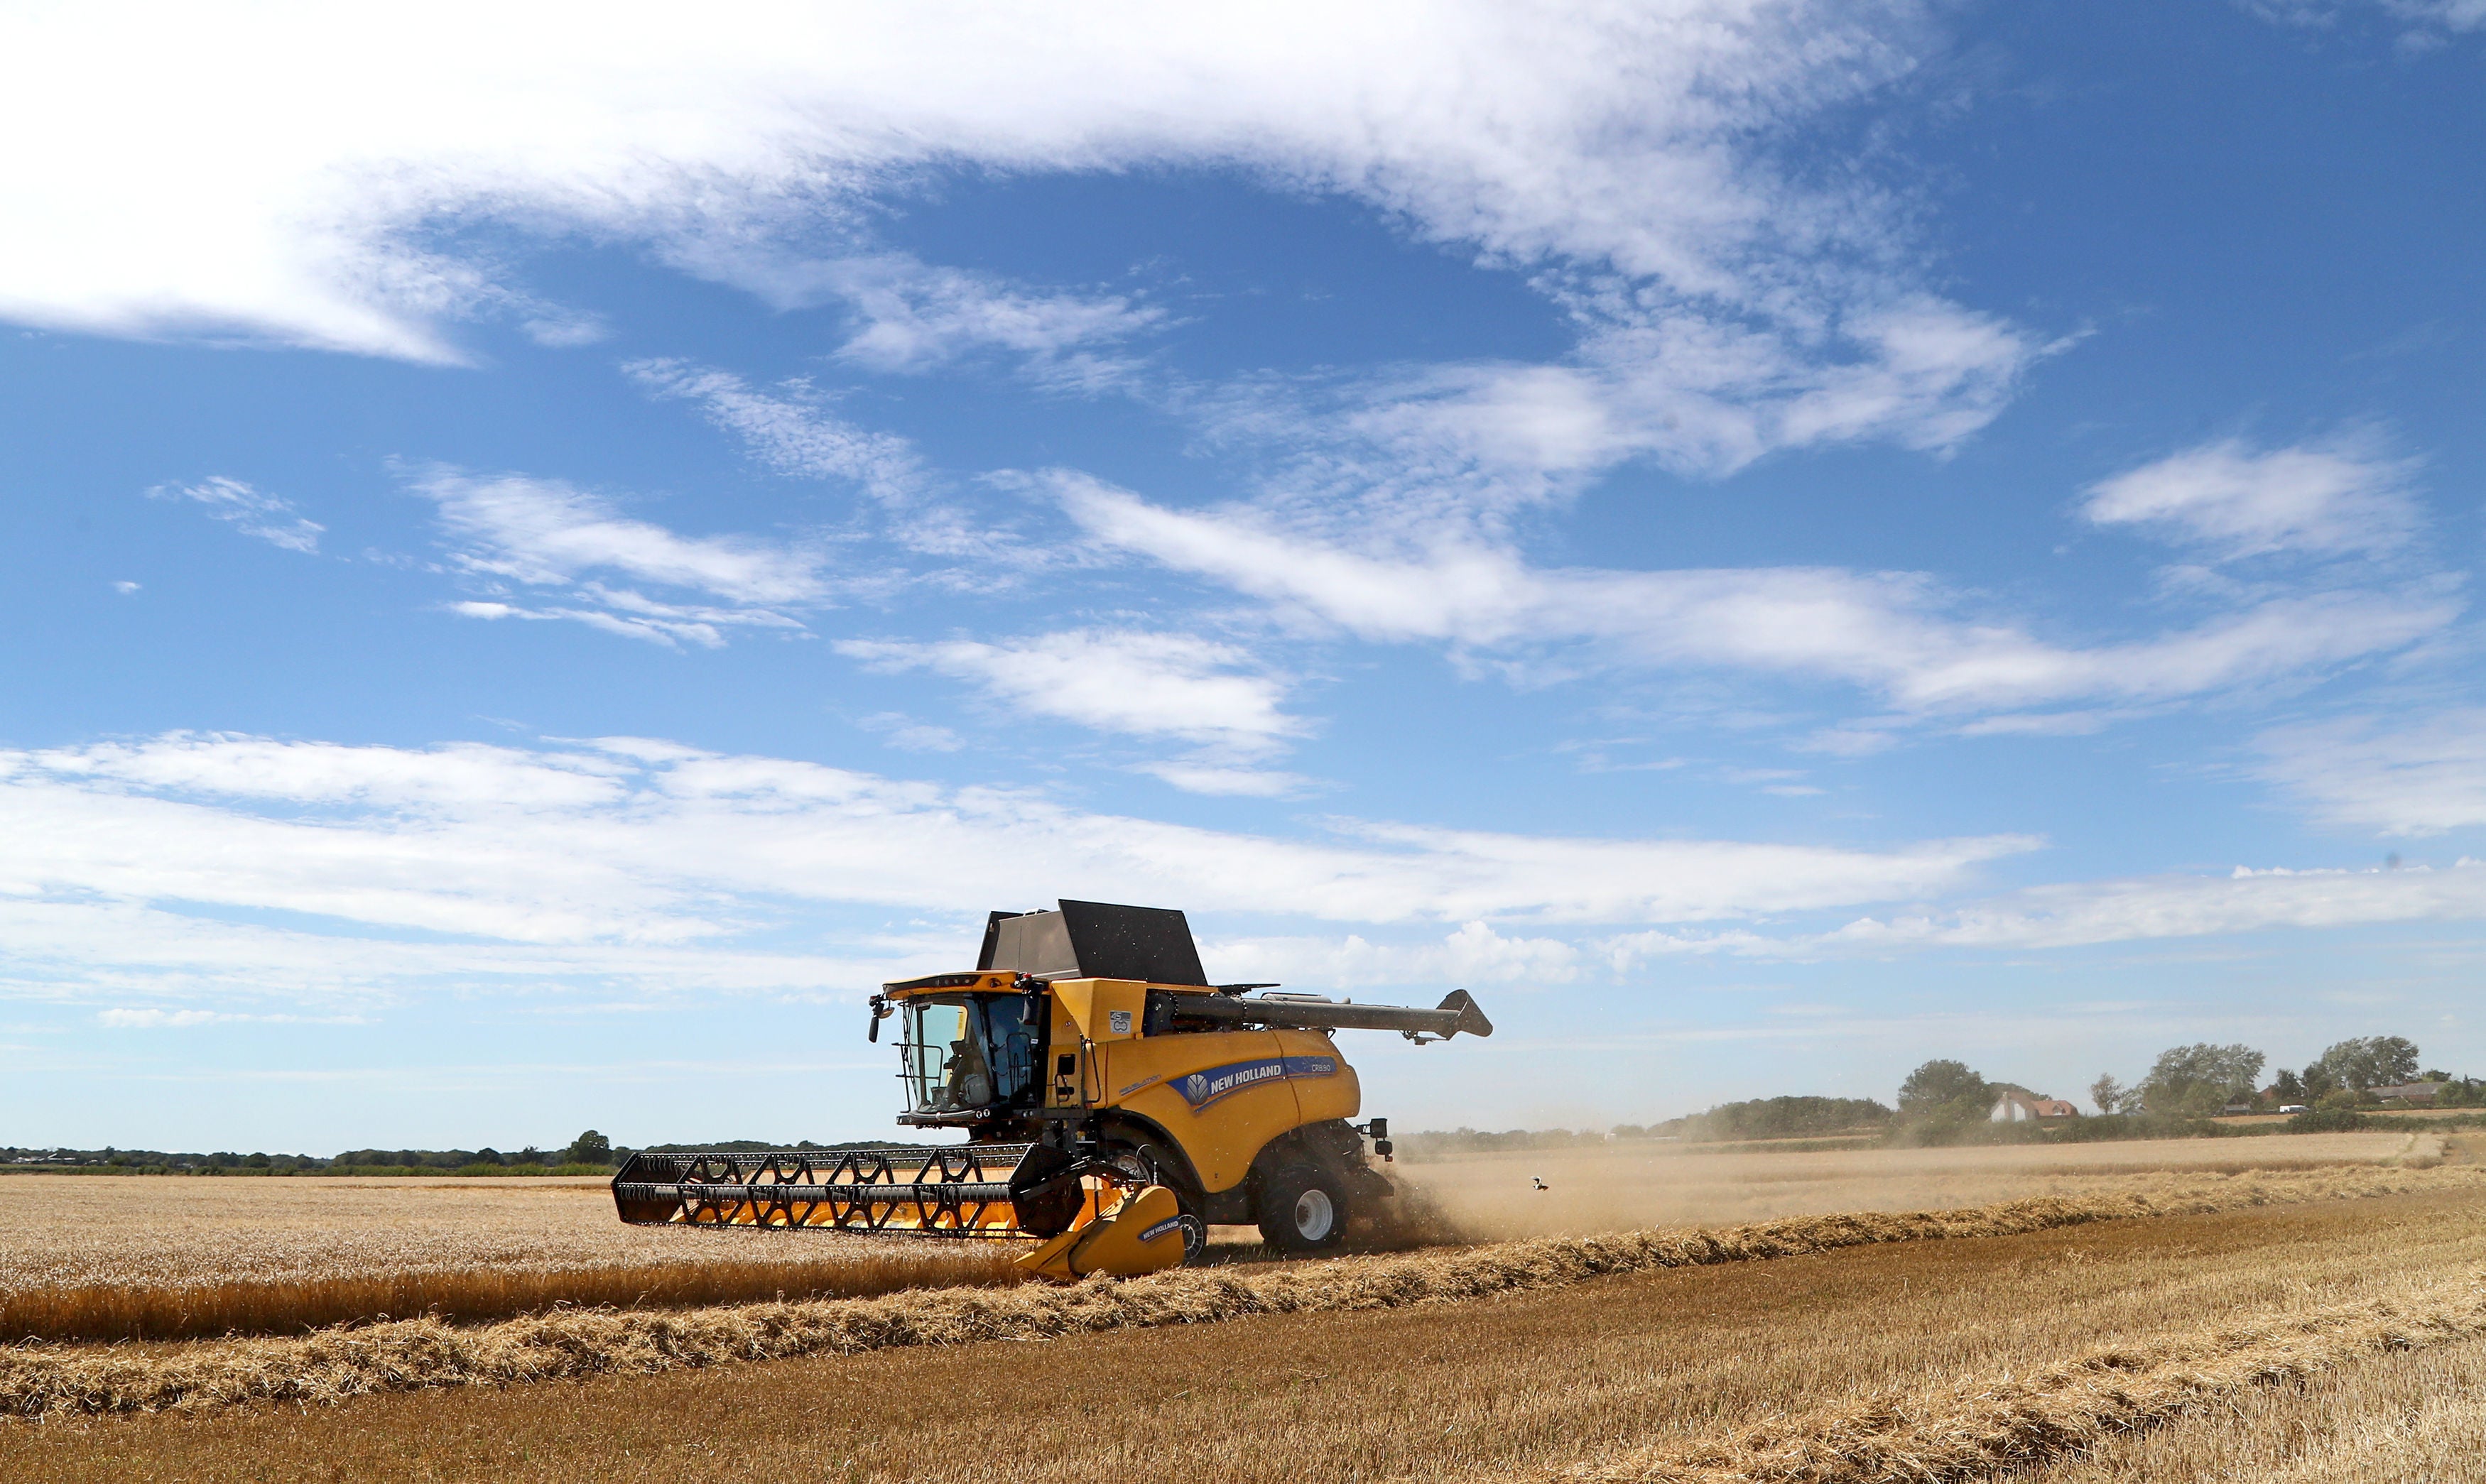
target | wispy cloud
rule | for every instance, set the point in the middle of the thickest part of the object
(2085, 913)
(2403, 776)
(544, 532)
(793, 430)
(515, 531)
(156, 1018)
(913, 316)
(1632, 157)
(2346, 494)
(1897, 635)
(251, 512)
(2424, 19)
(790, 429)
(638, 864)
(906, 733)
(149, 864)
(1225, 778)
(1118, 680)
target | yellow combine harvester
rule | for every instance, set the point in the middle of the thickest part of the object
(1115, 1106)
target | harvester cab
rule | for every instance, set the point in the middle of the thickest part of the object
(1115, 1103)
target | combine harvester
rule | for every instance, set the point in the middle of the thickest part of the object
(1115, 1106)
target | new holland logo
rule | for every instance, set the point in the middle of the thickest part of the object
(1205, 1086)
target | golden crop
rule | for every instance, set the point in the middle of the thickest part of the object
(334, 1364)
(100, 1258)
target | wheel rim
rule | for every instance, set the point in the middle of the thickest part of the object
(1313, 1215)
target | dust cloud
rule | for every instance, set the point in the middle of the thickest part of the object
(1506, 1196)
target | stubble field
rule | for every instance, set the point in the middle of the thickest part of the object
(98, 1257)
(2113, 1319)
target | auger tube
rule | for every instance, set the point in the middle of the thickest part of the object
(1457, 1013)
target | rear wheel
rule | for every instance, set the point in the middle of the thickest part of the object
(1303, 1209)
(1149, 1164)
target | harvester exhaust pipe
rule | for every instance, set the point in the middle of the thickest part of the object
(1456, 1013)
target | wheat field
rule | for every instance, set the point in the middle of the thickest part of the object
(1880, 1361)
(100, 1258)
(2112, 1323)
(86, 1257)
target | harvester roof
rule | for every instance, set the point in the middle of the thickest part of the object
(1094, 941)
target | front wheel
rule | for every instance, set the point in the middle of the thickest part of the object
(1303, 1209)
(1148, 1165)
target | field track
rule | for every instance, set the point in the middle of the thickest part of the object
(43, 1381)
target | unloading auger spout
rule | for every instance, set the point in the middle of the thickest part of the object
(1115, 1105)
(1303, 1012)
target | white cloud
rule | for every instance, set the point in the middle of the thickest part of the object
(1629, 151)
(1228, 780)
(216, 869)
(124, 587)
(2187, 907)
(543, 533)
(155, 1018)
(1117, 680)
(249, 866)
(2086, 914)
(251, 512)
(2423, 15)
(634, 616)
(2405, 779)
(908, 734)
(1702, 396)
(1474, 955)
(511, 531)
(914, 317)
(2450, 14)
(793, 431)
(1895, 634)
(2345, 495)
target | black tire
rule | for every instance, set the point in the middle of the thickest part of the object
(1303, 1209)
(1149, 1164)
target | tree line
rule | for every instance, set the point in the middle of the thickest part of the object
(591, 1151)
(2203, 1079)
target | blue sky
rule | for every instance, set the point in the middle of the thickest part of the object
(1770, 541)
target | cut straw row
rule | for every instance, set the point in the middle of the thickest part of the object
(1975, 1430)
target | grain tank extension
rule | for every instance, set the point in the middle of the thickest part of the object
(1115, 1106)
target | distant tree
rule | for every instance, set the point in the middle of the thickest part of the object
(2318, 1081)
(2107, 1094)
(2371, 1061)
(1943, 1088)
(588, 1148)
(2285, 1088)
(1786, 1117)
(2434, 1077)
(2196, 1081)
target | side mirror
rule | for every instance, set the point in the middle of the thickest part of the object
(879, 1013)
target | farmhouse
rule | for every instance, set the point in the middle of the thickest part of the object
(2413, 1094)
(2016, 1105)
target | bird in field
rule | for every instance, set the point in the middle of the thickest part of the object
(1540, 1182)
